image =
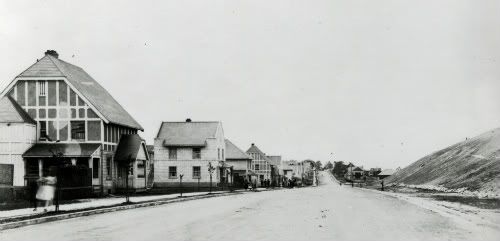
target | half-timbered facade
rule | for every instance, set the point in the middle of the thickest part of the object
(260, 164)
(77, 121)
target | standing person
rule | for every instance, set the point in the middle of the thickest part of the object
(46, 190)
(32, 189)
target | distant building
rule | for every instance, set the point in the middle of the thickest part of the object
(276, 173)
(78, 123)
(386, 173)
(260, 164)
(240, 164)
(354, 173)
(189, 149)
(374, 171)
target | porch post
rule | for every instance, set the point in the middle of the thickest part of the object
(40, 167)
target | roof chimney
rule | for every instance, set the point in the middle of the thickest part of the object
(52, 53)
(253, 144)
(188, 120)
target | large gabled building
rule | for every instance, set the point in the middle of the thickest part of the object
(78, 123)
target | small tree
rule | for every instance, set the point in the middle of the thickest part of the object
(328, 165)
(318, 165)
(210, 171)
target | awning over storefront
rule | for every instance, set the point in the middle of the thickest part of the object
(62, 149)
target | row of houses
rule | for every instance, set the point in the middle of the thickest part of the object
(55, 119)
(359, 174)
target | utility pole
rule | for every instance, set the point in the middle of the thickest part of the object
(315, 183)
(181, 175)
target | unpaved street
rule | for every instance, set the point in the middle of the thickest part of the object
(327, 212)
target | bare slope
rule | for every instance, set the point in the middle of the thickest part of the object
(472, 165)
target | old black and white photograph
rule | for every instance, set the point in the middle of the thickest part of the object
(338, 120)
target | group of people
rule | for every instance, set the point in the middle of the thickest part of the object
(265, 183)
(42, 190)
(249, 185)
(290, 183)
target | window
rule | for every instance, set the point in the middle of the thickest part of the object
(108, 167)
(172, 153)
(41, 88)
(222, 154)
(196, 153)
(95, 168)
(94, 130)
(43, 130)
(218, 153)
(196, 172)
(172, 172)
(141, 170)
(78, 130)
(257, 167)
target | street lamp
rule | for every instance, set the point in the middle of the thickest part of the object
(210, 171)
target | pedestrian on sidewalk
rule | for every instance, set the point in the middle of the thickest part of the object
(32, 189)
(46, 190)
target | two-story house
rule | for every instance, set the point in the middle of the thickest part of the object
(78, 123)
(260, 164)
(193, 150)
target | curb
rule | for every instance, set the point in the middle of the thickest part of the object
(76, 214)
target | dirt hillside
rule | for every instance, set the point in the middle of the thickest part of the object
(469, 166)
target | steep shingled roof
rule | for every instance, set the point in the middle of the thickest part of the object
(235, 153)
(128, 147)
(254, 149)
(187, 133)
(50, 66)
(12, 112)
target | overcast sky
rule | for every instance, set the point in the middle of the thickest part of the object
(379, 83)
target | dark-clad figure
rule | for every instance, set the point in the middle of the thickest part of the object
(32, 189)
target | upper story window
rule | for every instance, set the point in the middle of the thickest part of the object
(43, 130)
(196, 153)
(78, 130)
(172, 153)
(218, 153)
(41, 88)
(257, 167)
(222, 154)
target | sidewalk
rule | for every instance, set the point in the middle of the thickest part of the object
(85, 204)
